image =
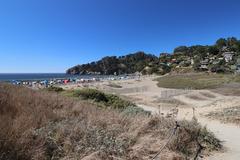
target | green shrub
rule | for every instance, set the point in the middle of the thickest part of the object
(117, 102)
(109, 100)
(55, 89)
(92, 94)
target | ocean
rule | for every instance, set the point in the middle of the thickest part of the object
(35, 76)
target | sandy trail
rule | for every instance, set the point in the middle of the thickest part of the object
(148, 96)
(228, 133)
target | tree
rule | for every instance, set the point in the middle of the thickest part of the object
(213, 50)
(221, 43)
(181, 49)
(196, 64)
(231, 41)
(201, 51)
(238, 46)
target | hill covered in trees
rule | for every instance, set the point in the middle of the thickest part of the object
(223, 56)
(130, 63)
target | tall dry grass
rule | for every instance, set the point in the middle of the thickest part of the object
(42, 125)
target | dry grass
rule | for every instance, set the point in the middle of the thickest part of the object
(42, 125)
(227, 115)
(232, 89)
(197, 81)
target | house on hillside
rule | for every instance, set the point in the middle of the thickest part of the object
(192, 61)
(238, 65)
(165, 55)
(225, 49)
(212, 59)
(238, 60)
(228, 56)
(173, 60)
(214, 62)
(238, 69)
(204, 64)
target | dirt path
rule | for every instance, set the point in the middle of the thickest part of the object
(228, 133)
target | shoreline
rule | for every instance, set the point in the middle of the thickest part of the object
(68, 80)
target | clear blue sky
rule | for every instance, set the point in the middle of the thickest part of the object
(52, 35)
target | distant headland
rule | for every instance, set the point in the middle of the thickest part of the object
(222, 57)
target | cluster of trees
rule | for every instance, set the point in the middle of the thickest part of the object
(232, 44)
(130, 63)
(149, 63)
(199, 53)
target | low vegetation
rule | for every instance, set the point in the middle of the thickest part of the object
(55, 89)
(107, 100)
(197, 81)
(227, 115)
(42, 125)
(232, 89)
(130, 63)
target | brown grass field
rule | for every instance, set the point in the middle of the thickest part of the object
(42, 125)
(197, 81)
(227, 115)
